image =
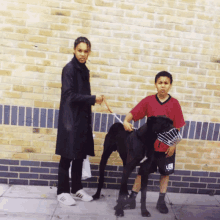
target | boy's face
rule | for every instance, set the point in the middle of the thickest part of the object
(81, 52)
(163, 86)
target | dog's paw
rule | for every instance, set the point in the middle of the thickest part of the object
(119, 213)
(145, 213)
(96, 196)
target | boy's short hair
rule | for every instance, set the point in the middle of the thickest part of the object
(164, 73)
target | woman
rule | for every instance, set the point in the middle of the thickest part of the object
(74, 137)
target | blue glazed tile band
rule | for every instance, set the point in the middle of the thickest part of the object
(101, 122)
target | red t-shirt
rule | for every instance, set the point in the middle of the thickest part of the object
(152, 106)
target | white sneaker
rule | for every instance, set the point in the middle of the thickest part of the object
(81, 194)
(66, 199)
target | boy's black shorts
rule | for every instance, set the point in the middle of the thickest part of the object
(165, 164)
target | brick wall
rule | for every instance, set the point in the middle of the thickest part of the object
(131, 42)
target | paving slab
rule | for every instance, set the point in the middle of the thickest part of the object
(197, 212)
(23, 205)
(3, 188)
(217, 197)
(84, 217)
(192, 199)
(24, 216)
(21, 191)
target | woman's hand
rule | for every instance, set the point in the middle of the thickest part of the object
(128, 126)
(99, 99)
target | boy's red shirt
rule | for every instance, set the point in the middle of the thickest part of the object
(151, 106)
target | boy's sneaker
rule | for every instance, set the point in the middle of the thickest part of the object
(81, 194)
(66, 199)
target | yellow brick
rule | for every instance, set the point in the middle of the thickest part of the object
(11, 94)
(179, 166)
(21, 156)
(59, 27)
(136, 92)
(60, 12)
(40, 157)
(31, 82)
(7, 29)
(5, 72)
(137, 79)
(47, 33)
(57, 41)
(99, 3)
(37, 39)
(50, 138)
(15, 22)
(127, 71)
(201, 161)
(210, 168)
(147, 87)
(35, 68)
(46, 131)
(47, 150)
(3, 141)
(192, 167)
(22, 88)
(25, 45)
(99, 61)
(16, 6)
(183, 160)
(36, 54)
(201, 105)
(20, 142)
(66, 50)
(130, 105)
(212, 99)
(125, 98)
(193, 155)
(33, 96)
(31, 150)
(193, 98)
(41, 104)
(56, 158)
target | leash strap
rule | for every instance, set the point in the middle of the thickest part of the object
(104, 99)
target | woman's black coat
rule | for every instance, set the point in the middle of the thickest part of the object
(74, 136)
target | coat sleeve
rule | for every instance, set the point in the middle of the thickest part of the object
(69, 88)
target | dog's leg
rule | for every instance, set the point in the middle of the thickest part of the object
(106, 154)
(123, 196)
(145, 167)
(144, 182)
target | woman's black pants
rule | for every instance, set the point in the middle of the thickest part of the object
(63, 175)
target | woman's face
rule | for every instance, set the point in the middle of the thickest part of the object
(81, 52)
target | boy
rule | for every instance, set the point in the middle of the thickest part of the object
(164, 157)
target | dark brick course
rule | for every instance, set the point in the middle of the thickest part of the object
(46, 174)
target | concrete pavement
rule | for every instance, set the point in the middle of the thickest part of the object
(19, 202)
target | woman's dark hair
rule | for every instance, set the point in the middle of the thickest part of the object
(164, 73)
(82, 40)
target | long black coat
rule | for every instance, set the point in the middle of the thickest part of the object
(74, 136)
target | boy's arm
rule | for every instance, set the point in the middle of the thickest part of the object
(128, 126)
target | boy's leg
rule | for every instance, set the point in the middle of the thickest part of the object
(166, 167)
(137, 185)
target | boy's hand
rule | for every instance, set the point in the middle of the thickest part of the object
(170, 151)
(128, 126)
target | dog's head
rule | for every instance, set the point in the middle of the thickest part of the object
(160, 124)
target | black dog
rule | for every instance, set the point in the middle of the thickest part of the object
(132, 148)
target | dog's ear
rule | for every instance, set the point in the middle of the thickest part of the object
(151, 119)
